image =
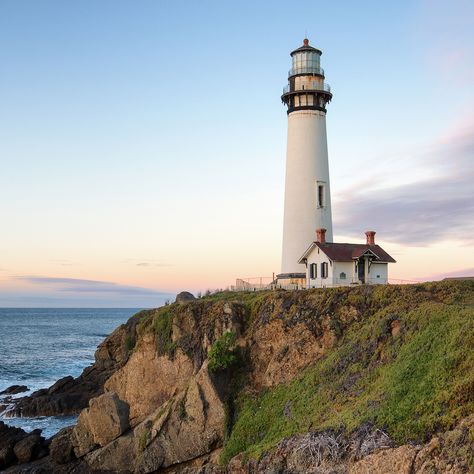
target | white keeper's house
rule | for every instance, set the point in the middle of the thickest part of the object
(331, 264)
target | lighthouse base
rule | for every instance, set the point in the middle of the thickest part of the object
(291, 281)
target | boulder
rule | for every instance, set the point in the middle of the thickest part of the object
(61, 448)
(14, 389)
(9, 436)
(118, 456)
(82, 438)
(7, 456)
(184, 297)
(105, 420)
(108, 417)
(28, 448)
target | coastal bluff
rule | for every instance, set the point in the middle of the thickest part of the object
(369, 379)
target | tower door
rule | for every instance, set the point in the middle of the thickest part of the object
(361, 270)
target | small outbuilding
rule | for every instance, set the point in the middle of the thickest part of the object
(331, 264)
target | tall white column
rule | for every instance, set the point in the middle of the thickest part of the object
(307, 188)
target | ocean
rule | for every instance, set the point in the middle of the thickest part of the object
(39, 346)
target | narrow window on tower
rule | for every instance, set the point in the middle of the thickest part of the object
(321, 202)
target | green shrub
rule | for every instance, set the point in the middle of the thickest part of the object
(163, 328)
(222, 355)
(129, 343)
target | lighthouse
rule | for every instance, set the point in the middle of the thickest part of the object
(307, 191)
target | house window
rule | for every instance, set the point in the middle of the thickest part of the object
(324, 270)
(313, 271)
(321, 195)
(342, 276)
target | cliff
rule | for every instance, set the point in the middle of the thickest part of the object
(347, 380)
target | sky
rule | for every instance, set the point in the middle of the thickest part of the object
(142, 144)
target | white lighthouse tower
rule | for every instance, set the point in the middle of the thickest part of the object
(307, 192)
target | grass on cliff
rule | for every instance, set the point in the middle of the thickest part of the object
(411, 382)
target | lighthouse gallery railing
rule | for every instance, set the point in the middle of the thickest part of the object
(313, 87)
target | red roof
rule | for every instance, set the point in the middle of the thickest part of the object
(349, 252)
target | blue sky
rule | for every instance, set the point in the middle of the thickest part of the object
(142, 144)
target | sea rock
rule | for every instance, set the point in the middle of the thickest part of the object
(61, 448)
(29, 448)
(61, 384)
(105, 420)
(9, 436)
(185, 297)
(14, 389)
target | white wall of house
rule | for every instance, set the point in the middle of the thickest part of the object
(341, 269)
(318, 257)
(378, 273)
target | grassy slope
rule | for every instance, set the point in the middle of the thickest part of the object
(412, 384)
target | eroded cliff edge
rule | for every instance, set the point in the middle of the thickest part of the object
(348, 380)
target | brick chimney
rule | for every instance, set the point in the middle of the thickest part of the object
(321, 236)
(370, 237)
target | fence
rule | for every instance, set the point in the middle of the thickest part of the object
(269, 283)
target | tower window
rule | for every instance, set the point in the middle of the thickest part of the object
(313, 271)
(321, 195)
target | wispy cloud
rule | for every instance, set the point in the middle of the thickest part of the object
(430, 209)
(151, 264)
(76, 285)
(147, 263)
(62, 262)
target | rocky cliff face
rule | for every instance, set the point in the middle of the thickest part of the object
(305, 381)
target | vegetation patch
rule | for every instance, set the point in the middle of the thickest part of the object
(129, 343)
(163, 329)
(182, 414)
(411, 383)
(222, 354)
(143, 439)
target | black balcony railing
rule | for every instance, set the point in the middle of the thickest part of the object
(306, 70)
(315, 86)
